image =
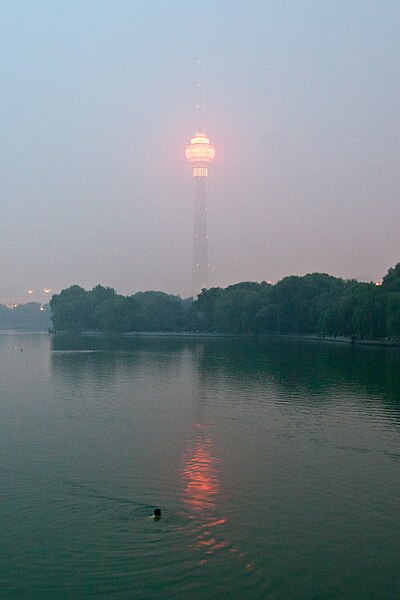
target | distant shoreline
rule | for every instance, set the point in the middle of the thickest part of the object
(212, 335)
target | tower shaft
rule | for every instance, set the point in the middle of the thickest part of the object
(200, 153)
(200, 243)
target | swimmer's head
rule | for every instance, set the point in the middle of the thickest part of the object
(157, 513)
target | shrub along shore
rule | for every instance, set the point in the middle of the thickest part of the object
(316, 304)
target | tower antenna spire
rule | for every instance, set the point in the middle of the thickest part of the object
(200, 85)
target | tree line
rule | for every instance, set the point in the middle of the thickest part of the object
(316, 303)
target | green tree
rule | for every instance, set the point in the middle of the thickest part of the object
(393, 315)
(391, 281)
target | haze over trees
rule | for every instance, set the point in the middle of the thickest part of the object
(316, 303)
(25, 317)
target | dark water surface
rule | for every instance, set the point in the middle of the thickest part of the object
(276, 465)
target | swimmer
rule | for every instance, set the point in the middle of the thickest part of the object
(157, 514)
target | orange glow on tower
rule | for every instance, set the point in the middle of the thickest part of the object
(200, 153)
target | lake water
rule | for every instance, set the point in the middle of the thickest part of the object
(276, 465)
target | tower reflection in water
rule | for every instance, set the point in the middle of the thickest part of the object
(201, 484)
(200, 472)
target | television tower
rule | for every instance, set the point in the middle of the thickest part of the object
(199, 153)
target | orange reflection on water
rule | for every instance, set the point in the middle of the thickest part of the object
(201, 485)
(200, 475)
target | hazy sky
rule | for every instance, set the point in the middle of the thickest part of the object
(97, 105)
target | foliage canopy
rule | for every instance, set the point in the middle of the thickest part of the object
(315, 303)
